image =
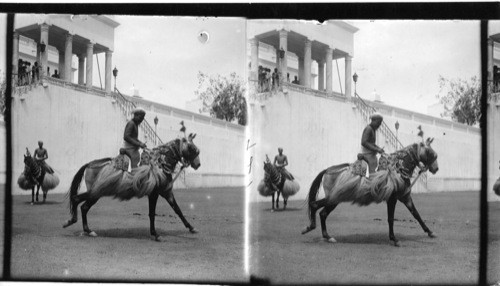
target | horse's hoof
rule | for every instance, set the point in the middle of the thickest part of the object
(92, 234)
(397, 243)
(156, 238)
(31, 203)
(307, 229)
(331, 240)
(193, 230)
(431, 234)
(68, 223)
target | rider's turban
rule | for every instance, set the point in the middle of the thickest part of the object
(376, 115)
(138, 111)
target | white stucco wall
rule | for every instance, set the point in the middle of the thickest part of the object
(317, 132)
(78, 127)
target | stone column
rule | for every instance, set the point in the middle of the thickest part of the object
(490, 60)
(254, 53)
(81, 69)
(301, 71)
(44, 38)
(348, 76)
(321, 75)
(15, 56)
(307, 63)
(68, 55)
(61, 65)
(329, 74)
(283, 67)
(89, 63)
(107, 76)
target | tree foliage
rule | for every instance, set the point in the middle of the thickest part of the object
(461, 99)
(223, 97)
(3, 96)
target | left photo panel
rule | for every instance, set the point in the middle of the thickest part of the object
(128, 139)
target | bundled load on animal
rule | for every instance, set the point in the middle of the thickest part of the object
(37, 173)
(277, 180)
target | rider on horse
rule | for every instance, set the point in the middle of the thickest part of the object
(40, 156)
(281, 161)
(368, 147)
(131, 143)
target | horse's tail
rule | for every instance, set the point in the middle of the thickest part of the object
(313, 191)
(75, 186)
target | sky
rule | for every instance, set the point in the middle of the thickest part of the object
(401, 61)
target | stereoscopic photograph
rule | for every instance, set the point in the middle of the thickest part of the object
(230, 150)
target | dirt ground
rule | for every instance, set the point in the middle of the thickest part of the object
(123, 251)
(363, 253)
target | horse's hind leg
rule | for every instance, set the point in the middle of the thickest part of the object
(153, 198)
(313, 208)
(169, 196)
(85, 209)
(285, 200)
(323, 215)
(408, 201)
(32, 195)
(75, 201)
(391, 207)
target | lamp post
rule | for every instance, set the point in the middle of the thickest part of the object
(355, 78)
(115, 73)
(156, 123)
(397, 128)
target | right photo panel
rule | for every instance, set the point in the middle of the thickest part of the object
(493, 118)
(365, 151)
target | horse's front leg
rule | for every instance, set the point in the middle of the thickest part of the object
(408, 201)
(32, 195)
(278, 199)
(391, 207)
(37, 190)
(153, 198)
(272, 202)
(169, 196)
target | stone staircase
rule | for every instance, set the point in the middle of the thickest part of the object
(127, 107)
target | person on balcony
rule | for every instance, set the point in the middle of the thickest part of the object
(55, 75)
(368, 147)
(131, 143)
(296, 80)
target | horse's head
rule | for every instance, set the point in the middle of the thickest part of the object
(190, 152)
(428, 156)
(267, 165)
(27, 157)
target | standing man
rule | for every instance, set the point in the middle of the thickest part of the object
(368, 147)
(281, 161)
(131, 143)
(40, 156)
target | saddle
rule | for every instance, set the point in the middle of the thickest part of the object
(358, 167)
(122, 161)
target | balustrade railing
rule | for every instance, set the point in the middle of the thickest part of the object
(127, 107)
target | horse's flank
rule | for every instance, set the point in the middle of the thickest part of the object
(124, 185)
